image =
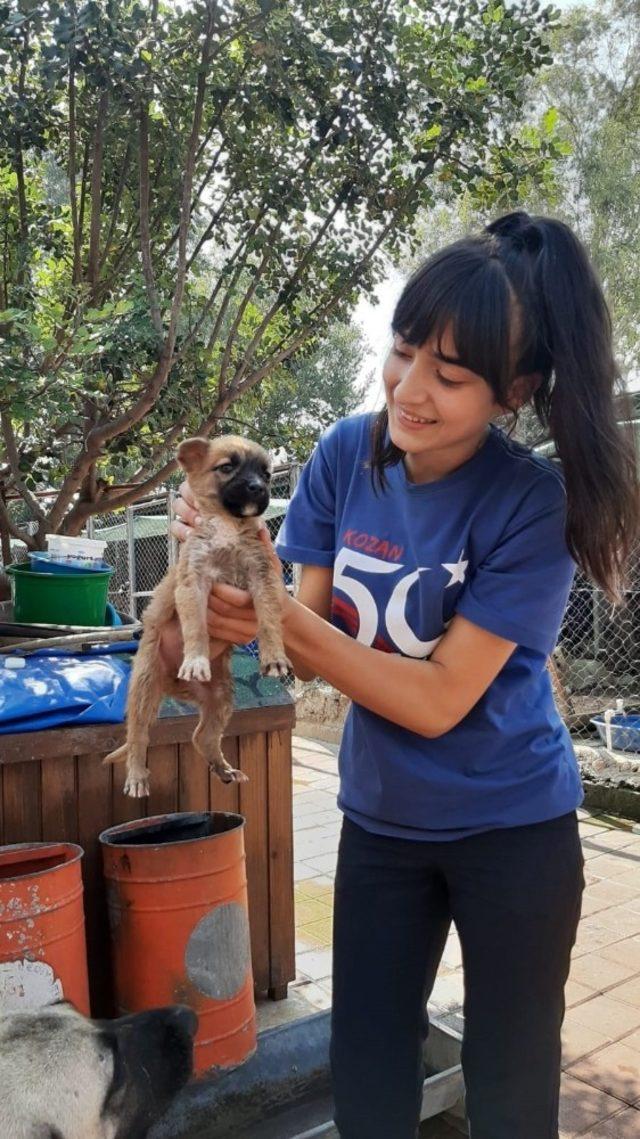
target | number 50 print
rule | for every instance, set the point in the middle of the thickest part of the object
(395, 618)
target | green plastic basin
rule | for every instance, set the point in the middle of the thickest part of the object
(59, 599)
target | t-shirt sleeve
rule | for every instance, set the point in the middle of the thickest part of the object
(307, 535)
(521, 588)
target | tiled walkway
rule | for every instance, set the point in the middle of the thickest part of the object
(601, 1061)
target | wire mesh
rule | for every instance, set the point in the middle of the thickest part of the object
(598, 655)
(141, 547)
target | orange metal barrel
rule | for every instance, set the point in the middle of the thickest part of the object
(177, 892)
(43, 955)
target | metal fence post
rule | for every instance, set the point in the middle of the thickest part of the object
(172, 543)
(131, 559)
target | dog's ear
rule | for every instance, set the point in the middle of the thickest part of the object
(192, 453)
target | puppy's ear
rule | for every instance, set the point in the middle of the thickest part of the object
(192, 453)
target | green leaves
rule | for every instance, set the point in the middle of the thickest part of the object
(323, 130)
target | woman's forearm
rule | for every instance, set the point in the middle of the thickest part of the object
(407, 692)
(300, 669)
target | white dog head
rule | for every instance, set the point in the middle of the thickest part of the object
(65, 1077)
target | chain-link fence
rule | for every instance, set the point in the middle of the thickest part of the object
(140, 546)
(597, 660)
(598, 655)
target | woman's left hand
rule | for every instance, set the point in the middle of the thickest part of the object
(230, 612)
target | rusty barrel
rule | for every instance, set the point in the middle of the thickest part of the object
(43, 954)
(177, 896)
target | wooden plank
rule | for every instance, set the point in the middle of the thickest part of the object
(59, 800)
(95, 789)
(124, 809)
(21, 798)
(193, 780)
(282, 967)
(225, 796)
(253, 805)
(100, 739)
(163, 765)
(91, 738)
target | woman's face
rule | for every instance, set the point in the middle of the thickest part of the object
(438, 411)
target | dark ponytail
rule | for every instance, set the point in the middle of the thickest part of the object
(566, 336)
(535, 271)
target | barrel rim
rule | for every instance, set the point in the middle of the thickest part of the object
(21, 569)
(42, 847)
(142, 824)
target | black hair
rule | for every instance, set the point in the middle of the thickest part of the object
(534, 270)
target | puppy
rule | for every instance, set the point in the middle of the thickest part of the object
(230, 478)
(65, 1077)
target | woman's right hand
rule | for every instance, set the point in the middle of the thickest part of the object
(186, 515)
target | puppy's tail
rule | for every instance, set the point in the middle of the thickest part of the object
(117, 756)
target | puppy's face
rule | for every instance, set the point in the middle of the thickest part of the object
(227, 474)
(66, 1076)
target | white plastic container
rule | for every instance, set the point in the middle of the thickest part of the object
(65, 547)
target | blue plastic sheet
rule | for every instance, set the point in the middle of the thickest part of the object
(57, 688)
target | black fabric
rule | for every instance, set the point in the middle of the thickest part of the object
(514, 895)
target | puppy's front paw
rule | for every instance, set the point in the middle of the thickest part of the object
(137, 784)
(195, 668)
(278, 667)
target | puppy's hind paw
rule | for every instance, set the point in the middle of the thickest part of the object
(278, 667)
(229, 774)
(195, 668)
(137, 784)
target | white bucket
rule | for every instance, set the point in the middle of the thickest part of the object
(65, 547)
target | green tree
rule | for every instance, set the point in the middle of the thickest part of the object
(594, 85)
(190, 193)
(307, 394)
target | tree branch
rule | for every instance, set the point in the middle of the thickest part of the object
(145, 238)
(93, 264)
(242, 307)
(124, 170)
(10, 528)
(19, 170)
(284, 292)
(76, 274)
(240, 384)
(146, 471)
(83, 184)
(103, 432)
(185, 211)
(14, 463)
(238, 259)
(78, 515)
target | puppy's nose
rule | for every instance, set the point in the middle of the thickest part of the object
(254, 485)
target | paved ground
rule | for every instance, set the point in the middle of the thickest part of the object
(601, 1038)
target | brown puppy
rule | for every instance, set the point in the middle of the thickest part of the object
(229, 477)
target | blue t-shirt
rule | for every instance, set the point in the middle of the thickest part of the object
(487, 542)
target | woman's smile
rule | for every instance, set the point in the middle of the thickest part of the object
(412, 422)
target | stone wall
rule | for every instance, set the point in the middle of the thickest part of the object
(320, 711)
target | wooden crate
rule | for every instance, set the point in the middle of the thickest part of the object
(53, 786)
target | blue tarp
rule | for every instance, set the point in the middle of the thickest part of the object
(57, 687)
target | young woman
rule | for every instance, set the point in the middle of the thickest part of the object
(438, 557)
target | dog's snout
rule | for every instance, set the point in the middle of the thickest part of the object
(255, 484)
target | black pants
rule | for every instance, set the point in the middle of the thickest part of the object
(514, 896)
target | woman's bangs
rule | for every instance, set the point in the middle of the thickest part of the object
(466, 292)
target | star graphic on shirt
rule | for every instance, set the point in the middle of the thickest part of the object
(456, 569)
